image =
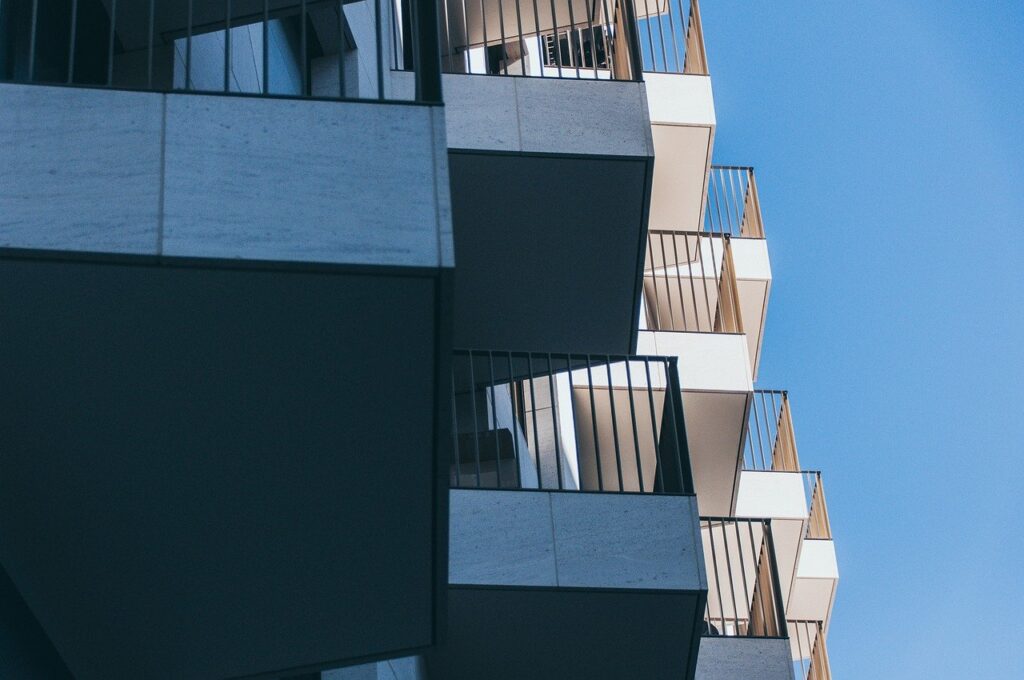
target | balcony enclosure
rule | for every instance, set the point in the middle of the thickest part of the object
(571, 511)
(810, 653)
(745, 630)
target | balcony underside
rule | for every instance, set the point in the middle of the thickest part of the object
(714, 429)
(542, 262)
(515, 633)
(213, 470)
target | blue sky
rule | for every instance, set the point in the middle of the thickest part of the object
(888, 139)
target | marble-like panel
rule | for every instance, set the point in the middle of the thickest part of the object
(583, 117)
(300, 180)
(500, 538)
(79, 169)
(626, 541)
(480, 112)
(743, 658)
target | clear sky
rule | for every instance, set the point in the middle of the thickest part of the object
(888, 139)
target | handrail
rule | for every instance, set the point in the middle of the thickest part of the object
(690, 283)
(744, 595)
(733, 206)
(568, 422)
(293, 48)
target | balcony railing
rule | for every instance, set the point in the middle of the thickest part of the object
(818, 525)
(733, 206)
(568, 422)
(690, 283)
(810, 655)
(770, 439)
(314, 48)
(744, 596)
(671, 37)
(585, 39)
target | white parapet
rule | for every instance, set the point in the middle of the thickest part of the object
(714, 362)
(817, 577)
(682, 115)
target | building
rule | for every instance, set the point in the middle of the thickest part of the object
(338, 346)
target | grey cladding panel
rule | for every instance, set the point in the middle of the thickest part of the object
(214, 472)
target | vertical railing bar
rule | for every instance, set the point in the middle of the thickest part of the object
(777, 417)
(149, 55)
(575, 420)
(615, 421)
(533, 413)
(494, 416)
(718, 580)
(772, 438)
(654, 281)
(227, 45)
(739, 203)
(501, 29)
(606, 33)
(780, 607)
(522, 42)
(465, 28)
(672, 393)
(757, 424)
(659, 475)
(636, 434)
(483, 24)
(675, 40)
(456, 451)
(718, 285)
(593, 417)
(110, 43)
(558, 42)
(515, 425)
(756, 554)
(72, 35)
(476, 417)
(593, 40)
(668, 286)
(554, 423)
(538, 38)
(379, 36)
(679, 280)
(704, 276)
(573, 33)
(661, 34)
(266, 43)
(689, 267)
(32, 41)
(650, 36)
(800, 651)
(747, 602)
(732, 584)
(342, 23)
(720, 198)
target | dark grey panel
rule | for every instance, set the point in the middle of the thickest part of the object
(216, 472)
(548, 250)
(25, 650)
(518, 633)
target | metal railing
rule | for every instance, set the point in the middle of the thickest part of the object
(569, 422)
(744, 596)
(313, 48)
(671, 37)
(770, 439)
(690, 283)
(818, 525)
(733, 206)
(584, 39)
(810, 654)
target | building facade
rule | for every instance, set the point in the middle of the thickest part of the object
(388, 339)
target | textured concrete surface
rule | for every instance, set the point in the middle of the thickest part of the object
(742, 658)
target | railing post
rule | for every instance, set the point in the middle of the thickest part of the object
(636, 62)
(674, 392)
(780, 608)
(427, 50)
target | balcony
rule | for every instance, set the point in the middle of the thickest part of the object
(571, 512)
(187, 202)
(772, 484)
(745, 630)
